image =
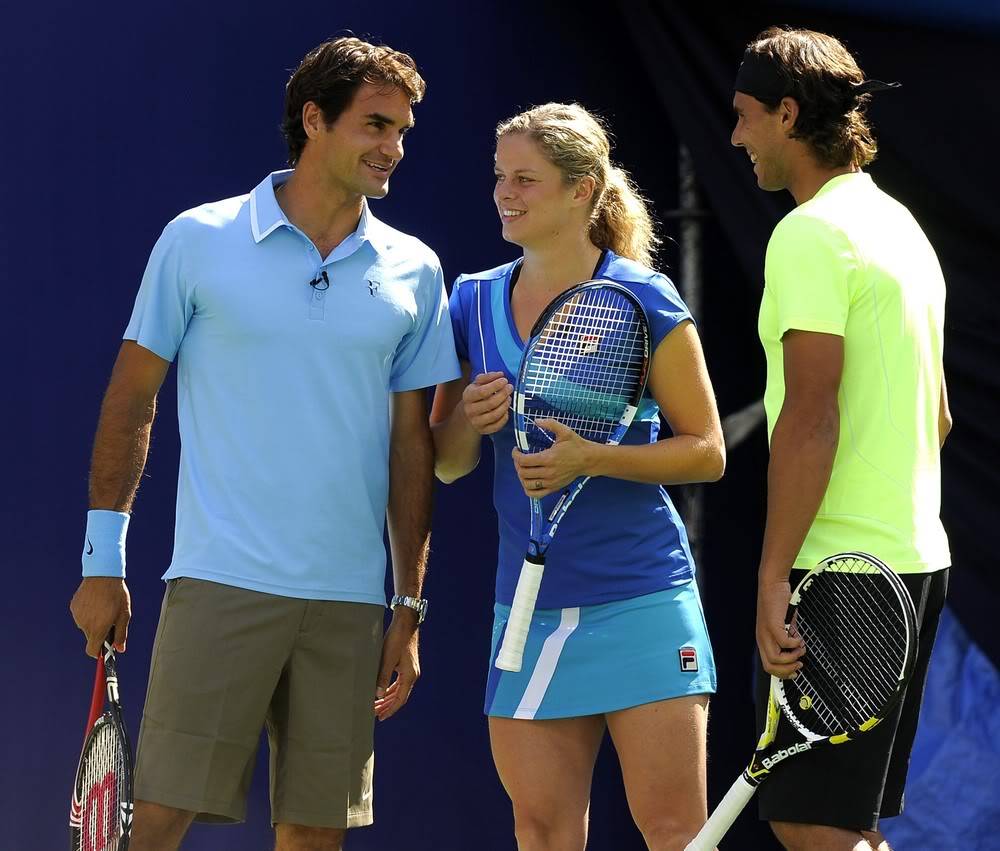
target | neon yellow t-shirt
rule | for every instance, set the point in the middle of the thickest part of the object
(852, 261)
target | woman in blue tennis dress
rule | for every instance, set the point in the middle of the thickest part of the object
(618, 640)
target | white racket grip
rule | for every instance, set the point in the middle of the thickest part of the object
(725, 814)
(521, 610)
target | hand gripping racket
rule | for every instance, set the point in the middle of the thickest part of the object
(585, 366)
(859, 627)
(101, 811)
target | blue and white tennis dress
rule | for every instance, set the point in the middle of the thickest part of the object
(618, 621)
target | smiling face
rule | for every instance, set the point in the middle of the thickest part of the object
(533, 199)
(764, 136)
(361, 149)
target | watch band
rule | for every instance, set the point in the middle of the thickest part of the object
(418, 604)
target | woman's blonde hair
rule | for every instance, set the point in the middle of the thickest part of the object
(578, 144)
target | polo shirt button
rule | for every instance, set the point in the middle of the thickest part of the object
(320, 294)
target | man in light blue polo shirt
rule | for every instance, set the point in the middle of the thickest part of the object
(305, 333)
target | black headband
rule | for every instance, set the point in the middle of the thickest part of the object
(761, 77)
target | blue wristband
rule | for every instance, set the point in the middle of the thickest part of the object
(104, 546)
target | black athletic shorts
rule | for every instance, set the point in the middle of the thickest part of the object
(854, 785)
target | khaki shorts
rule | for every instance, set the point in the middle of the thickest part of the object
(227, 662)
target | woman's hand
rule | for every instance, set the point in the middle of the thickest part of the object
(486, 402)
(550, 470)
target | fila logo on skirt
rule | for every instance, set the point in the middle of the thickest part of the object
(689, 660)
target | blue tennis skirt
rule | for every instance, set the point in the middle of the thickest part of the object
(589, 660)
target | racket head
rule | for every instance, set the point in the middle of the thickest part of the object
(585, 365)
(101, 809)
(860, 631)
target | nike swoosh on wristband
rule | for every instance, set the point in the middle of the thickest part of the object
(90, 547)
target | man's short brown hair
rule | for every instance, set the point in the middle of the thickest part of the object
(822, 78)
(331, 73)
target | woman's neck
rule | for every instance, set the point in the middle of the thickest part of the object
(558, 264)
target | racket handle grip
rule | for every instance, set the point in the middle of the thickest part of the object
(724, 815)
(521, 610)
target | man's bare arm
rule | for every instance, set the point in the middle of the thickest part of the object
(411, 483)
(124, 427)
(803, 447)
(944, 415)
(119, 456)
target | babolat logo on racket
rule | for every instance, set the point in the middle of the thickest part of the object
(589, 344)
(689, 660)
(784, 753)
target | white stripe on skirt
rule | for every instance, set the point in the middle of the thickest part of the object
(546, 665)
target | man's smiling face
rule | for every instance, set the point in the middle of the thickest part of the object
(361, 149)
(761, 133)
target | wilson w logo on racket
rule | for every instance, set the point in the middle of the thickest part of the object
(101, 808)
(585, 365)
(859, 627)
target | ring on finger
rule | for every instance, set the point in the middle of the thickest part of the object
(536, 485)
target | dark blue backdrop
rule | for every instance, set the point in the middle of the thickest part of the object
(117, 117)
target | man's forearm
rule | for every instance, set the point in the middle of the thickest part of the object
(411, 482)
(802, 454)
(120, 449)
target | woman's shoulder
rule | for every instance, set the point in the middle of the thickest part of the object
(494, 274)
(647, 283)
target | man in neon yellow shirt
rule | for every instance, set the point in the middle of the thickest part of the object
(852, 322)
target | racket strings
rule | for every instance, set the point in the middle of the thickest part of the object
(841, 645)
(587, 365)
(102, 790)
(856, 646)
(860, 618)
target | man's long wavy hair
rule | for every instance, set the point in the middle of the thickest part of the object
(822, 77)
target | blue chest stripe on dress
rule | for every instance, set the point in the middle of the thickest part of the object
(508, 348)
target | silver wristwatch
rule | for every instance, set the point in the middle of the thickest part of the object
(418, 604)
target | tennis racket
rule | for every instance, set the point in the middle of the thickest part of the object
(101, 811)
(585, 365)
(859, 627)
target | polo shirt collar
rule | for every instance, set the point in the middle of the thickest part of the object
(266, 215)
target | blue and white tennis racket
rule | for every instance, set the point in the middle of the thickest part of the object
(586, 366)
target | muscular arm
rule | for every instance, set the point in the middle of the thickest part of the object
(944, 415)
(803, 447)
(411, 482)
(124, 427)
(119, 457)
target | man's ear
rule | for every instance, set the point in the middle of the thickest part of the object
(312, 119)
(789, 110)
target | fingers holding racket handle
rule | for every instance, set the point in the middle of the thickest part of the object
(724, 816)
(521, 610)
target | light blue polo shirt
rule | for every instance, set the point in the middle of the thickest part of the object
(284, 389)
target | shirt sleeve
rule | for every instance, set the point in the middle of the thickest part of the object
(808, 272)
(457, 308)
(665, 308)
(426, 355)
(164, 305)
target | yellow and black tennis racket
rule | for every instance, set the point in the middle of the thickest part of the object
(859, 627)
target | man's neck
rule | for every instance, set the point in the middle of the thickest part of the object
(323, 210)
(808, 176)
